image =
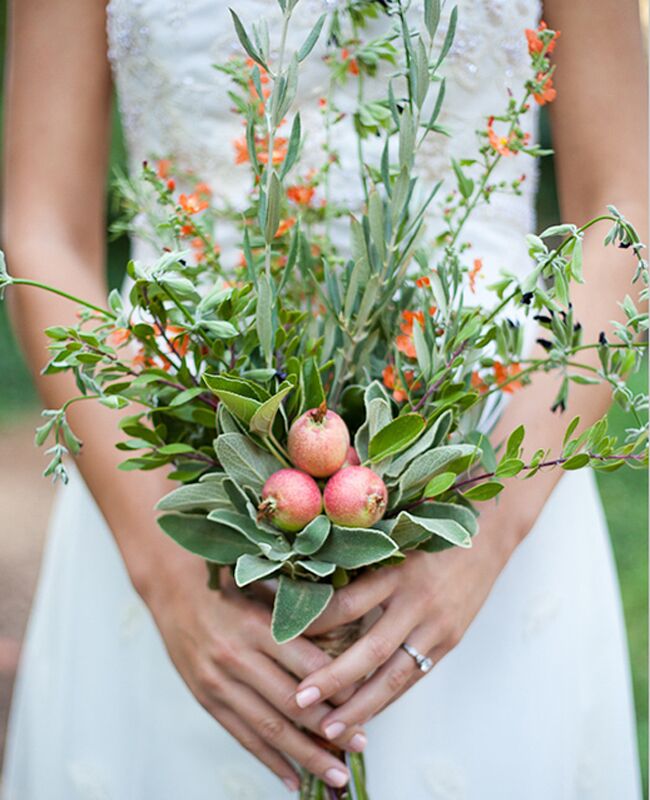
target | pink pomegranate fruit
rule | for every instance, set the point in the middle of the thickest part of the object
(355, 497)
(290, 500)
(352, 459)
(318, 442)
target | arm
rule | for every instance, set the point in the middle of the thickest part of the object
(431, 599)
(57, 136)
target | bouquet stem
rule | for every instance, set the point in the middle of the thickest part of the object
(313, 788)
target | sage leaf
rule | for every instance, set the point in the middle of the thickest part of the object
(352, 548)
(251, 568)
(297, 605)
(312, 537)
(207, 539)
(395, 437)
(262, 420)
(245, 462)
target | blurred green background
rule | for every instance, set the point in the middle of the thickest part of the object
(624, 493)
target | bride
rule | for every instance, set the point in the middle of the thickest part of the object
(138, 682)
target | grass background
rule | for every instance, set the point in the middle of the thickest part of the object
(624, 493)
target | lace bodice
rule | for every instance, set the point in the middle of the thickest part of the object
(173, 102)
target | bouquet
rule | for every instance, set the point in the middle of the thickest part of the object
(326, 410)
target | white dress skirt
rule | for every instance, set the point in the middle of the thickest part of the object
(534, 703)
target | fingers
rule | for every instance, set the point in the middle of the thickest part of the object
(356, 600)
(372, 650)
(248, 739)
(279, 689)
(392, 679)
(281, 734)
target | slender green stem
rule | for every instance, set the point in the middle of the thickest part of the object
(27, 282)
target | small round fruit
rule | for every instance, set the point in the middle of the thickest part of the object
(355, 497)
(352, 459)
(318, 442)
(290, 500)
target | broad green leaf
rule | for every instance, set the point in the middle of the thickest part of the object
(207, 539)
(186, 396)
(413, 529)
(441, 483)
(245, 525)
(395, 437)
(513, 445)
(509, 467)
(312, 537)
(253, 568)
(577, 462)
(352, 548)
(245, 463)
(194, 497)
(263, 419)
(243, 408)
(175, 449)
(433, 437)
(319, 568)
(297, 605)
(484, 491)
(312, 387)
(430, 464)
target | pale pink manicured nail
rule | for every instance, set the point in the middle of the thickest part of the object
(291, 784)
(334, 729)
(307, 696)
(358, 742)
(336, 777)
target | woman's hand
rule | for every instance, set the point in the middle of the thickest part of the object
(221, 644)
(428, 601)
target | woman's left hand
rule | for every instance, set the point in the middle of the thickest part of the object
(428, 601)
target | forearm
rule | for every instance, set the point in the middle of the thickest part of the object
(596, 305)
(126, 499)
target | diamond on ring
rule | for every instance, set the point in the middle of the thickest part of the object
(424, 663)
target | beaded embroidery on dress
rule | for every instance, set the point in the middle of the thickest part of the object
(534, 703)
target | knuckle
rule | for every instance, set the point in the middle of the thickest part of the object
(272, 728)
(379, 646)
(347, 604)
(397, 678)
(209, 681)
(453, 637)
(314, 762)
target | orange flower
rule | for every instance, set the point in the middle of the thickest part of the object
(285, 226)
(203, 190)
(422, 282)
(179, 339)
(409, 318)
(192, 203)
(322, 102)
(478, 266)
(163, 167)
(388, 375)
(503, 374)
(187, 230)
(279, 151)
(499, 143)
(241, 150)
(171, 184)
(547, 92)
(119, 337)
(478, 383)
(406, 345)
(302, 195)
(535, 44)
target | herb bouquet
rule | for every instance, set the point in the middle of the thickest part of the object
(323, 411)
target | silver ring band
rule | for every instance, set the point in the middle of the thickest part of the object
(424, 663)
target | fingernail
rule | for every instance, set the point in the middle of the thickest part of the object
(336, 777)
(291, 784)
(334, 730)
(358, 743)
(307, 696)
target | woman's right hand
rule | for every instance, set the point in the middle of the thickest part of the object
(221, 644)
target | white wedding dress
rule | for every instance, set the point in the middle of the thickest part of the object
(535, 702)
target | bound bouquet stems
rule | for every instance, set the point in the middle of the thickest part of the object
(334, 643)
(325, 411)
